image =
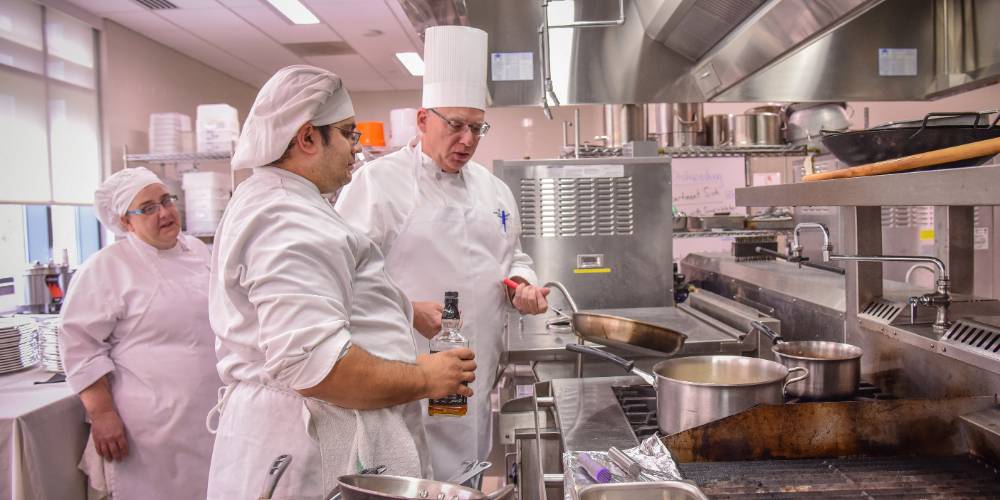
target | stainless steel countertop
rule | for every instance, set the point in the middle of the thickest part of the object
(588, 415)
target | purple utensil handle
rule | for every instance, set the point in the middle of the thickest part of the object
(600, 473)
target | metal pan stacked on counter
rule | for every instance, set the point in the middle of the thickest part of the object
(18, 344)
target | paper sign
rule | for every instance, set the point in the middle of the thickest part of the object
(511, 66)
(982, 238)
(897, 62)
(580, 171)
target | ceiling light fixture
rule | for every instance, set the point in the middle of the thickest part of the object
(294, 11)
(414, 64)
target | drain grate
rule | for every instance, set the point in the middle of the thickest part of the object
(980, 335)
(883, 311)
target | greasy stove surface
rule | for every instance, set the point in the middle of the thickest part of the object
(639, 404)
(892, 477)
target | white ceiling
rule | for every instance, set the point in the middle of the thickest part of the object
(244, 38)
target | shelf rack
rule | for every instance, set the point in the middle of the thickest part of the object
(953, 192)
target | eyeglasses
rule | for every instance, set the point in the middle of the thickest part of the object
(351, 135)
(457, 127)
(165, 202)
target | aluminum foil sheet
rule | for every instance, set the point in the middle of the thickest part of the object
(655, 459)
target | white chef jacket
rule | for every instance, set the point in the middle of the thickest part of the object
(446, 231)
(381, 195)
(140, 316)
(292, 285)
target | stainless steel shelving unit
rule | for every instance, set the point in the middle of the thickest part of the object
(970, 186)
(953, 193)
(714, 151)
(729, 233)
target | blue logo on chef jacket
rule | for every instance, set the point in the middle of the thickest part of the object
(504, 216)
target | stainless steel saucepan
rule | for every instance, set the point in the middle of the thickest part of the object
(834, 367)
(700, 389)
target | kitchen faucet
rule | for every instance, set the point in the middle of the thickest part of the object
(940, 298)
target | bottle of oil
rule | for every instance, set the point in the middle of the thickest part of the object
(449, 338)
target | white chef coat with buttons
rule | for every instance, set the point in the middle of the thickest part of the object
(292, 284)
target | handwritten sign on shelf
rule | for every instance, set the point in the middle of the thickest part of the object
(703, 186)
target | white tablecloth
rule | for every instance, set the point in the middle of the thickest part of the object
(42, 435)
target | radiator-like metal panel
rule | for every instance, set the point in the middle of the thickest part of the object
(601, 226)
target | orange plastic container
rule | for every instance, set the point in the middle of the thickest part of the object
(372, 134)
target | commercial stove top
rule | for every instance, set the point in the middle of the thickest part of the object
(639, 404)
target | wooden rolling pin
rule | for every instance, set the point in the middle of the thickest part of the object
(920, 160)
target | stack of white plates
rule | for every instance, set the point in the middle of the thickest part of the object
(18, 344)
(48, 344)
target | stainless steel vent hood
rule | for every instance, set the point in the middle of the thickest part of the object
(728, 50)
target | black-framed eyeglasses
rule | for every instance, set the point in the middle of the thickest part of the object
(351, 135)
(165, 202)
(457, 127)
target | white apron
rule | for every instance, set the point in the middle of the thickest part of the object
(163, 383)
(466, 249)
(258, 423)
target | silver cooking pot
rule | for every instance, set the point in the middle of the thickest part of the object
(369, 487)
(701, 389)
(834, 367)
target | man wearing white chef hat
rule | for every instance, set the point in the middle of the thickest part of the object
(445, 222)
(314, 340)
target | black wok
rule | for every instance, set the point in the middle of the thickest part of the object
(895, 141)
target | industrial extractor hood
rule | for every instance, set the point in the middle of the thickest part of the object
(640, 51)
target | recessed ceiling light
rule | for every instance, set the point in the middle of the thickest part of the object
(414, 64)
(294, 11)
(373, 33)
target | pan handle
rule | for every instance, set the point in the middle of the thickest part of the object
(793, 380)
(628, 365)
(939, 113)
(607, 356)
(766, 330)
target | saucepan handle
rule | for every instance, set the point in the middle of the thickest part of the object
(618, 360)
(607, 356)
(800, 378)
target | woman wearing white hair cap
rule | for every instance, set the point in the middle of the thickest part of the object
(314, 338)
(137, 346)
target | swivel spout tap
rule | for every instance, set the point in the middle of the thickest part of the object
(939, 299)
(797, 246)
(562, 288)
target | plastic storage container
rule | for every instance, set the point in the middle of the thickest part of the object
(206, 195)
(169, 133)
(218, 128)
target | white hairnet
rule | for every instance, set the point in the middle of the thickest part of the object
(116, 193)
(293, 96)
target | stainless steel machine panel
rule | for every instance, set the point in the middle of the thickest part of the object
(601, 226)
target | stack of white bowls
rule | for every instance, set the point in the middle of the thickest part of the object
(218, 128)
(205, 197)
(169, 133)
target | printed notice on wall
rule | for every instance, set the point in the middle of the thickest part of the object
(981, 237)
(897, 62)
(511, 66)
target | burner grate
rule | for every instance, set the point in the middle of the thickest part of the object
(892, 477)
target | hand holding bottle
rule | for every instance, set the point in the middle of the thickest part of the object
(448, 372)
